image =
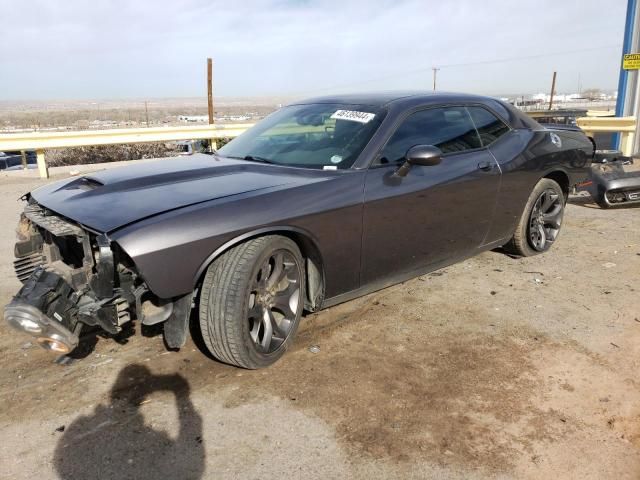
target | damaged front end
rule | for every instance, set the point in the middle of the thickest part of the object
(75, 277)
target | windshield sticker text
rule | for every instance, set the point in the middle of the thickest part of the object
(354, 116)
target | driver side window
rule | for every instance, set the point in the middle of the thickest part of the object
(448, 128)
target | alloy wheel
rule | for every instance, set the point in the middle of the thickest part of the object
(545, 220)
(273, 301)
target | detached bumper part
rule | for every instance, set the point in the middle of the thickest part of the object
(45, 308)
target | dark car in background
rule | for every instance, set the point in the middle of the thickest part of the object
(13, 160)
(323, 201)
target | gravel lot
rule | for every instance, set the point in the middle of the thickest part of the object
(493, 368)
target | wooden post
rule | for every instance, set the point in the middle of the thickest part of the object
(24, 159)
(435, 73)
(146, 112)
(42, 164)
(212, 143)
(553, 89)
(210, 89)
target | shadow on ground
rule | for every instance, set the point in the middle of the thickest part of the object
(115, 442)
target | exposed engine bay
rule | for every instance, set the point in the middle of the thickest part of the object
(73, 278)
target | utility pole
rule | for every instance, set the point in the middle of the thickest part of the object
(146, 112)
(210, 89)
(213, 146)
(435, 73)
(553, 88)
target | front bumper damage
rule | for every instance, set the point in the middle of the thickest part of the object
(72, 277)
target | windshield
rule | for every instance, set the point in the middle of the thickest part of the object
(329, 136)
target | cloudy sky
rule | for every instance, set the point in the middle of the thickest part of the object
(56, 49)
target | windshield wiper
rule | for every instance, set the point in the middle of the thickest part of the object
(253, 158)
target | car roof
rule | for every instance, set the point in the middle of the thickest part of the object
(380, 99)
(402, 101)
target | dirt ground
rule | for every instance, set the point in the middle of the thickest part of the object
(493, 368)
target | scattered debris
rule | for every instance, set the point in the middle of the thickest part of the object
(537, 280)
(27, 345)
(537, 273)
(314, 348)
(617, 346)
(493, 292)
(608, 265)
(60, 428)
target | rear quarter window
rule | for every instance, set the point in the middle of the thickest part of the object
(489, 126)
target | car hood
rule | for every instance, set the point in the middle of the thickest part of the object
(110, 199)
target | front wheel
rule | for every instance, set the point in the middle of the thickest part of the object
(252, 300)
(541, 220)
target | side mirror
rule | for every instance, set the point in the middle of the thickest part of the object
(424, 155)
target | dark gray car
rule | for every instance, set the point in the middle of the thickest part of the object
(321, 202)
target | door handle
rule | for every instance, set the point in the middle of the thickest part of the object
(485, 166)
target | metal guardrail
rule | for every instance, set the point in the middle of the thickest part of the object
(626, 126)
(39, 141)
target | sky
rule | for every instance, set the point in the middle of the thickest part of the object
(82, 49)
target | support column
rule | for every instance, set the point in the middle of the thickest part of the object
(42, 164)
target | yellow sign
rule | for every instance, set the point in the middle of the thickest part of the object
(631, 61)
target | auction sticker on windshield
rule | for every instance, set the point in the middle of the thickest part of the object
(353, 115)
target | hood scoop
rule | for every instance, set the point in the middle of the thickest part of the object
(83, 183)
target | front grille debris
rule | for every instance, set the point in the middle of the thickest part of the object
(25, 266)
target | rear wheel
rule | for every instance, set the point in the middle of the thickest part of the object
(541, 220)
(252, 300)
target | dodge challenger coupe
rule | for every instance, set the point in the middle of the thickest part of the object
(322, 201)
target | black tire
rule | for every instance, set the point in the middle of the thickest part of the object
(538, 223)
(238, 289)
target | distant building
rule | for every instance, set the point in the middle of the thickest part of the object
(193, 118)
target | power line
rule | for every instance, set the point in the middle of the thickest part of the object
(465, 64)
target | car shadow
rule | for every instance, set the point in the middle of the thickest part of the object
(115, 441)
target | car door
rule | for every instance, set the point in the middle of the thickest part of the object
(434, 214)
